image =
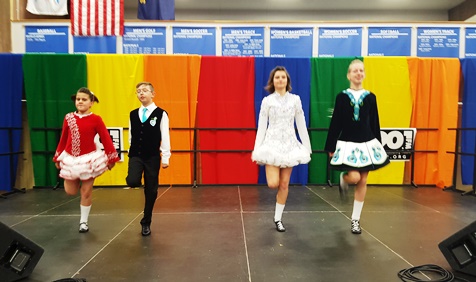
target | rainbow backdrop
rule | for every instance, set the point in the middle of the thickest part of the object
(225, 92)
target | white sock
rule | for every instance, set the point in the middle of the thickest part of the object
(357, 210)
(84, 213)
(278, 212)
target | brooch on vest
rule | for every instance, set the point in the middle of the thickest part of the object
(153, 121)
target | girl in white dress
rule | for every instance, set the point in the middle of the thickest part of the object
(276, 145)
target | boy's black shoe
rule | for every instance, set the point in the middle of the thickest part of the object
(145, 230)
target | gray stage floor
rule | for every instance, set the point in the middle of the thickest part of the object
(227, 234)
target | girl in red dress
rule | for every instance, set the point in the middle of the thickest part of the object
(77, 156)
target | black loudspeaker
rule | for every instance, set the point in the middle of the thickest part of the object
(460, 250)
(19, 255)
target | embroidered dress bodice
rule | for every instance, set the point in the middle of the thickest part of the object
(77, 151)
(356, 100)
(354, 132)
(77, 136)
(276, 135)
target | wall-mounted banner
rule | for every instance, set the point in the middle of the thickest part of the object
(398, 142)
(242, 41)
(46, 39)
(117, 136)
(340, 42)
(194, 40)
(94, 44)
(290, 42)
(143, 40)
(438, 42)
(389, 41)
(470, 42)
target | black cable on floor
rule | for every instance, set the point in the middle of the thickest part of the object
(71, 280)
(444, 275)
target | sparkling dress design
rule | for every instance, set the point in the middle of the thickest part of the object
(354, 133)
(276, 141)
(79, 155)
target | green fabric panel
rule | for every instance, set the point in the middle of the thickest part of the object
(328, 78)
(50, 80)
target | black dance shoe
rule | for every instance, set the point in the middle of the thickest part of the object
(279, 226)
(83, 227)
(355, 227)
(145, 230)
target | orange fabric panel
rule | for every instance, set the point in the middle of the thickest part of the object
(435, 89)
(175, 79)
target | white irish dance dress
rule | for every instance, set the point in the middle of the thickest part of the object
(276, 142)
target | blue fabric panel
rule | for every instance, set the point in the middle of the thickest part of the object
(11, 79)
(299, 70)
(156, 10)
(468, 120)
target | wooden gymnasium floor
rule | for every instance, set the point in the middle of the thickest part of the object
(227, 234)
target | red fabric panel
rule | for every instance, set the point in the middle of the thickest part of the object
(226, 100)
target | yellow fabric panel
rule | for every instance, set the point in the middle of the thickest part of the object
(388, 79)
(435, 90)
(113, 79)
(175, 79)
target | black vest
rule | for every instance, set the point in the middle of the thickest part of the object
(146, 137)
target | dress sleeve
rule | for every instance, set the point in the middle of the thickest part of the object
(165, 144)
(63, 139)
(374, 120)
(262, 123)
(106, 141)
(301, 125)
(336, 125)
(130, 133)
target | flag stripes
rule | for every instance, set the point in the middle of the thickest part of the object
(97, 17)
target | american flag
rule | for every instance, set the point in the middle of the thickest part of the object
(97, 17)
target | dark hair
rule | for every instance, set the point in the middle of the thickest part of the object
(85, 90)
(147, 84)
(270, 86)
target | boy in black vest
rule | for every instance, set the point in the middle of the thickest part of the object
(149, 141)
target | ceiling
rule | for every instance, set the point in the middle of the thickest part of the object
(443, 5)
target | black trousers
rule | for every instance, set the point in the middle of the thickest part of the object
(150, 167)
